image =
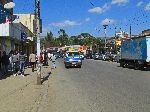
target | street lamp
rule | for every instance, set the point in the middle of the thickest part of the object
(105, 26)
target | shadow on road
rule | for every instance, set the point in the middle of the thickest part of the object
(4, 76)
(45, 78)
(131, 67)
(73, 67)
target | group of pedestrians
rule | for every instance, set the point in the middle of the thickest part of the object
(15, 62)
(45, 57)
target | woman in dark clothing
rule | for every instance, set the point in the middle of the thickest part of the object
(5, 62)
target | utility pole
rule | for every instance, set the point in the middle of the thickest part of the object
(105, 26)
(37, 20)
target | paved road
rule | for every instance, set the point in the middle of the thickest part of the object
(98, 87)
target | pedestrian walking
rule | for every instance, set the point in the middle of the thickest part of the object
(41, 58)
(5, 62)
(49, 55)
(10, 60)
(53, 60)
(15, 61)
(45, 59)
(32, 60)
(22, 59)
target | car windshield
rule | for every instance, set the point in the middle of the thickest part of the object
(73, 54)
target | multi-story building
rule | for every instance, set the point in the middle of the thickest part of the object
(27, 20)
(12, 35)
(121, 34)
(145, 33)
(4, 13)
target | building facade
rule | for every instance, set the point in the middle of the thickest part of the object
(145, 33)
(121, 34)
(4, 14)
(13, 35)
(27, 20)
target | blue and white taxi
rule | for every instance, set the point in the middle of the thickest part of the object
(72, 58)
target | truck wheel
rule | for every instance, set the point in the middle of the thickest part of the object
(139, 66)
(123, 64)
(142, 67)
(136, 66)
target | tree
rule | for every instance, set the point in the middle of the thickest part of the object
(48, 40)
(64, 38)
(49, 36)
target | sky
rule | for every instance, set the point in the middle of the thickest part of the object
(89, 16)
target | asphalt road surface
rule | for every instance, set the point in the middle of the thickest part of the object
(98, 87)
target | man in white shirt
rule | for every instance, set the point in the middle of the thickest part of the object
(53, 60)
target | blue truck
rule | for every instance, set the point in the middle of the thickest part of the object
(135, 52)
(72, 59)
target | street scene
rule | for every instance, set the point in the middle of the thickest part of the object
(74, 56)
(90, 89)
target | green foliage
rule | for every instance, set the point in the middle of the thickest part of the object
(63, 39)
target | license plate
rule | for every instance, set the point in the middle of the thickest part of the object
(74, 63)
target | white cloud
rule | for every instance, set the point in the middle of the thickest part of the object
(65, 23)
(87, 19)
(147, 7)
(119, 2)
(107, 21)
(100, 10)
(96, 10)
(139, 3)
(106, 7)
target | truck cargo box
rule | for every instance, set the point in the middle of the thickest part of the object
(136, 49)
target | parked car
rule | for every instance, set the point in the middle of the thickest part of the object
(113, 57)
(106, 56)
(58, 55)
(89, 54)
(98, 56)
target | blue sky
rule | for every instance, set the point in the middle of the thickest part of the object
(77, 16)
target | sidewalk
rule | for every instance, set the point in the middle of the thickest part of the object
(21, 94)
